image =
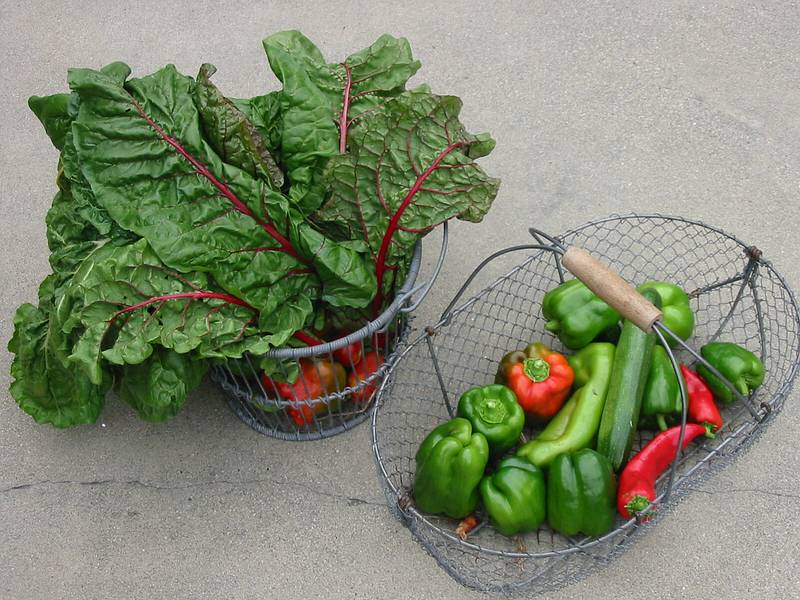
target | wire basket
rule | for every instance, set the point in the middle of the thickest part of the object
(736, 296)
(296, 416)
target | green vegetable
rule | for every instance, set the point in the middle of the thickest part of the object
(575, 426)
(662, 396)
(738, 365)
(581, 493)
(628, 377)
(576, 314)
(188, 223)
(450, 464)
(514, 496)
(493, 411)
(677, 315)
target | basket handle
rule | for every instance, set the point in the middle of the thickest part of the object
(610, 287)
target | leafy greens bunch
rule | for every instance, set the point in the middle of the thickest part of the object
(190, 227)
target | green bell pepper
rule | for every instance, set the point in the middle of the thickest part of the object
(575, 425)
(662, 394)
(493, 411)
(677, 314)
(576, 314)
(514, 496)
(450, 464)
(581, 493)
(738, 365)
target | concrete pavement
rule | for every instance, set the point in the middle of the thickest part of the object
(672, 107)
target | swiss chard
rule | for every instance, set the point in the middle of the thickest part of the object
(191, 227)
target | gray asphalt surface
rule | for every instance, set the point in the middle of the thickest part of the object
(673, 107)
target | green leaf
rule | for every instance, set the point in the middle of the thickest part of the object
(52, 111)
(158, 387)
(319, 101)
(231, 134)
(142, 150)
(123, 303)
(411, 161)
(45, 386)
(265, 114)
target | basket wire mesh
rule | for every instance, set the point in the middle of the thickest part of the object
(303, 415)
(736, 296)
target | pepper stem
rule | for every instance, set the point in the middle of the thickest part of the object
(537, 369)
(491, 410)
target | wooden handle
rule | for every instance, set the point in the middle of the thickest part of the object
(612, 288)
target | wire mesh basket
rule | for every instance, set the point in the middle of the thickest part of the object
(296, 412)
(736, 296)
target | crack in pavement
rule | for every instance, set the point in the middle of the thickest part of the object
(746, 490)
(349, 500)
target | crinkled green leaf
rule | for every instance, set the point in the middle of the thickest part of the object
(53, 112)
(231, 133)
(158, 387)
(142, 149)
(45, 386)
(320, 100)
(264, 113)
(412, 157)
(98, 304)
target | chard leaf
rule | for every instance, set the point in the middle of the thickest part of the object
(158, 387)
(231, 133)
(53, 112)
(45, 385)
(409, 168)
(265, 114)
(123, 302)
(142, 150)
(320, 101)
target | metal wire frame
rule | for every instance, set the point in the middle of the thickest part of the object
(757, 294)
(256, 401)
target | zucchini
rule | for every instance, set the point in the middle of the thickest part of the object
(624, 400)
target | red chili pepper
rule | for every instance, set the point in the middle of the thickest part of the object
(350, 355)
(702, 408)
(366, 367)
(637, 484)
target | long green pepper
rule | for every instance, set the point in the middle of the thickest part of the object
(575, 426)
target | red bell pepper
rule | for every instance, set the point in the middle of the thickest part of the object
(702, 409)
(350, 355)
(539, 377)
(637, 484)
(366, 367)
(317, 378)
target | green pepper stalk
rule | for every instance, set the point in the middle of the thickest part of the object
(576, 424)
(494, 412)
(676, 313)
(450, 464)
(581, 493)
(738, 365)
(576, 314)
(514, 496)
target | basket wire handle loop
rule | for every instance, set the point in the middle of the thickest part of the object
(447, 312)
(436, 270)
(540, 236)
(746, 400)
(445, 396)
(684, 412)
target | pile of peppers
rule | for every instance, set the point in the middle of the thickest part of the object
(482, 458)
(316, 378)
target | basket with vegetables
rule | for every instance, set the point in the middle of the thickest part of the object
(274, 239)
(527, 436)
